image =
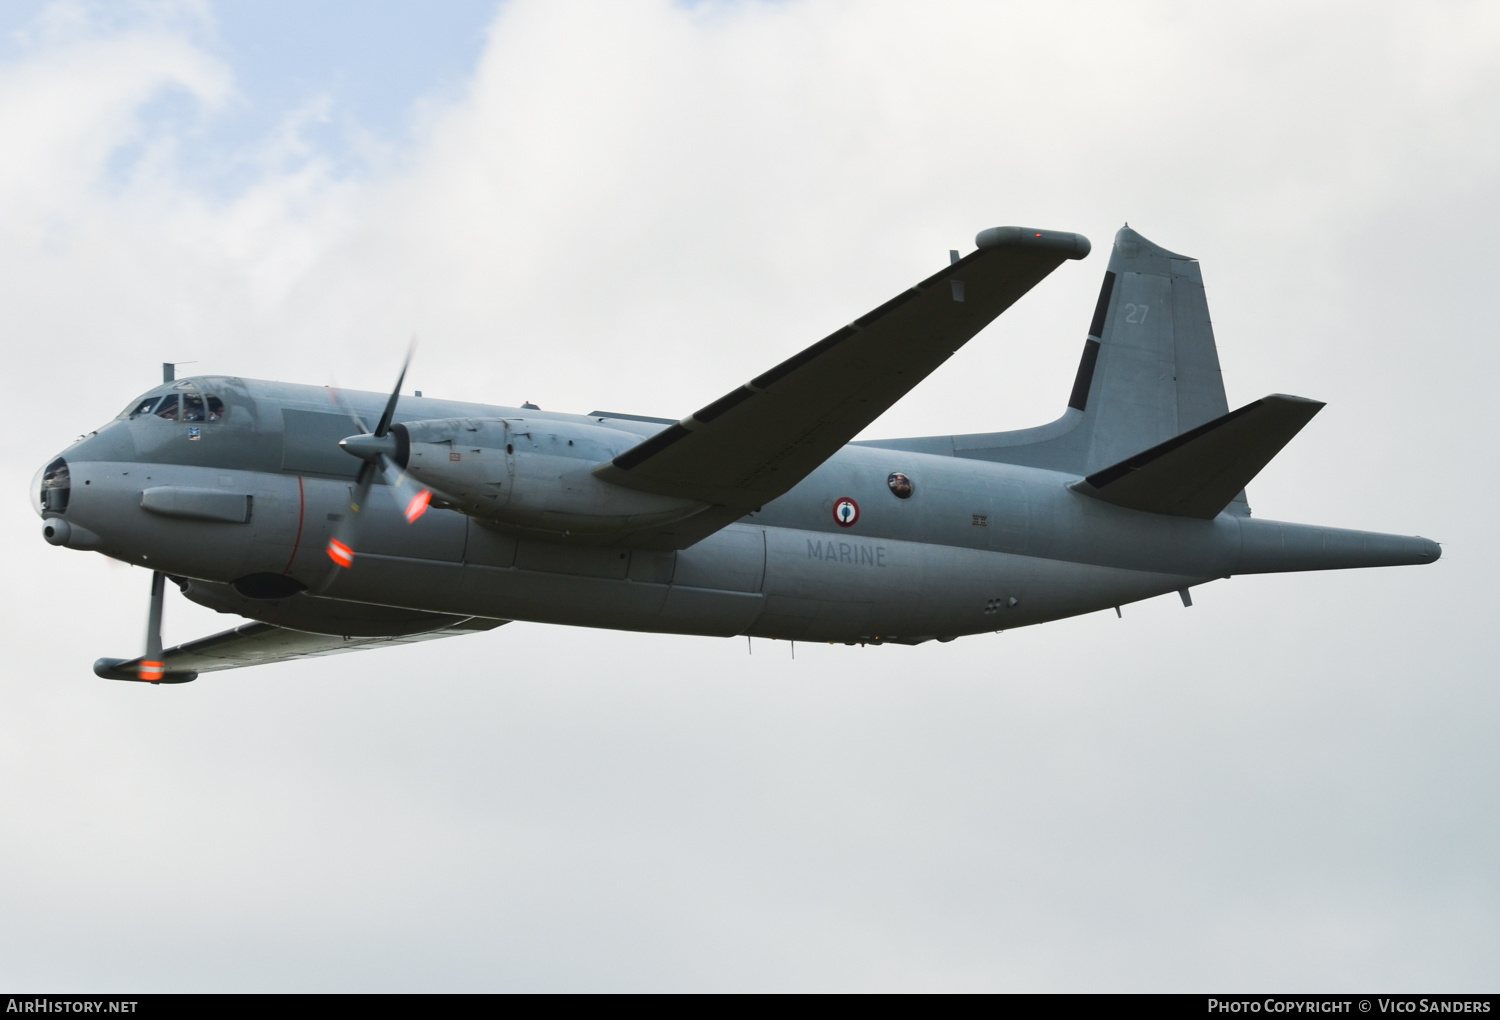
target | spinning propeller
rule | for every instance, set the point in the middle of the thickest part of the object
(380, 452)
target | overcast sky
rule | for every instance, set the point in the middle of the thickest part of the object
(637, 206)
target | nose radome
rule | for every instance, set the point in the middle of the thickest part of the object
(36, 492)
(50, 488)
(49, 496)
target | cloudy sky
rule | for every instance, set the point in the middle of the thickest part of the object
(1291, 785)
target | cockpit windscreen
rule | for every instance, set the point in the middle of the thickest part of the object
(186, 405)
(144, 407)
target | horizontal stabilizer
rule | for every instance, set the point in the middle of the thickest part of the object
(1199, 472)
(256, 644)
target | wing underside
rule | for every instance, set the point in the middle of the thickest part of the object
(258, 644)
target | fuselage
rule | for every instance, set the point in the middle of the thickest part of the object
(252, 483)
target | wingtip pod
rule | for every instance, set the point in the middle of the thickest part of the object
(1073, 246)
(135, 670)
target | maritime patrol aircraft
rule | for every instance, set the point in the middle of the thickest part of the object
(342, 521)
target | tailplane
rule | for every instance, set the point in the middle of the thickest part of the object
(1198, 473)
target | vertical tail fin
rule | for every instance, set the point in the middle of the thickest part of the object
(1149, 371)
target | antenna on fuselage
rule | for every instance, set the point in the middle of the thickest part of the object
(169, 369)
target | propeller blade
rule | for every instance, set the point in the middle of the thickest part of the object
(361, 493)
(401, 485)
(340, 553)
(341, 545)
(390, 405)
(418, 506)
(337, 396)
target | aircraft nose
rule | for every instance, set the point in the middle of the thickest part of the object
(50, 487)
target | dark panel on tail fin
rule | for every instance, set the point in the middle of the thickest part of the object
(1084, 380)
(1198, 473)
(1080, 399)
(1096, 327)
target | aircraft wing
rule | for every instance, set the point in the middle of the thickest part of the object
(257, 644)
(756, 442)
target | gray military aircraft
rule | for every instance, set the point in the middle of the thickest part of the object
(756, 515)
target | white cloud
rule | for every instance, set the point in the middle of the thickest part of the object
(638, 206)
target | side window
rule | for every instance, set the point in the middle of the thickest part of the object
(192, 408)
(168, 408)
(215, 408)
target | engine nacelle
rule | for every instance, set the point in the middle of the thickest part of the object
(532, 475)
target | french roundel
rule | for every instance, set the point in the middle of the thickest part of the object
(845, 512)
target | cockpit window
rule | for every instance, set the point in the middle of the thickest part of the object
(144, 407)
(190, 405)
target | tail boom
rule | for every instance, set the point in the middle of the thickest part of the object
(1269, 547)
